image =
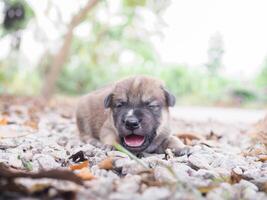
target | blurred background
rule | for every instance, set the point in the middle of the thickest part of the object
(209, 52)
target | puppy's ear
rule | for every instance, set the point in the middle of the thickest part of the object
(170, 98)
(108, 100)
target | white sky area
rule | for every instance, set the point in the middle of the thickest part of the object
(242, 24)
(189, 26)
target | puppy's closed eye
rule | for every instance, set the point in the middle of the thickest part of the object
(119, 104)
(152, 104)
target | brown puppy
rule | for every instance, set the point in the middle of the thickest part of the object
(133, 112)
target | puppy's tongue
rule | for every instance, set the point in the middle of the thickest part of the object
(134, 140)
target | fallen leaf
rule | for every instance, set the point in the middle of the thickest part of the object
(262, 158)
(213, 136)
(3, 122)
(84, 164)
(255, 150)
(259, 132)
(106, 164)
(32, 124)
(264, 187)
(85, 174)
(235, 178)
(188, 137)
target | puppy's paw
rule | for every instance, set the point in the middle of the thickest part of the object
(183, 151)
(107, 147)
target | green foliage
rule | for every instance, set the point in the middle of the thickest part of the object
(18, 25)
(134, 3)
(261, 80)
(99, 58)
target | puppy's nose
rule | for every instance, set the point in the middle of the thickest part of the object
(132, 123)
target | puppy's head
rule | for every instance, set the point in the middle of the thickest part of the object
(137, 105)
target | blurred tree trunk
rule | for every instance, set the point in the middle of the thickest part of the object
(59, 59)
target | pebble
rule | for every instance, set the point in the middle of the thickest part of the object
(45, 161)
(156, 193)
(162, 174)
(209, 161)
(130, 184)
(199, 161)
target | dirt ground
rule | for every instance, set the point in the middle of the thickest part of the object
(41, 156)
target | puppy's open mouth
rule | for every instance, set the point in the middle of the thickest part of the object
(134, 140)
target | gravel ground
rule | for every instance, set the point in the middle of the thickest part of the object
(220, 165)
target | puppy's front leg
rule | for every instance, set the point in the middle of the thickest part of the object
(108, 135)
(176, 146)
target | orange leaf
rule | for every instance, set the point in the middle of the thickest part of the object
(84, 164)
(262, 158)
(31, 124)
(235, 178)
(3, 122)
(85, 174)
(106, 164)
(190, 136)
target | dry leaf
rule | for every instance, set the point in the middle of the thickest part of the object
(106, 164)
(190, 136)
(213, 136)
(85, 174)
(262, 158)
(32, 124)
(84, 164)
(264, 187)
(259, 132)
(3, 122)
(255, 150)
(235, 178)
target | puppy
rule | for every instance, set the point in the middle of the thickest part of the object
(133, 112)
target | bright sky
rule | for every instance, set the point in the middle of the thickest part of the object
(191, 23)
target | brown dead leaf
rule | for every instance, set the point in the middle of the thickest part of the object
(188, 137)
(213, 136)
(106, 164)
(3, 122)
(32, 124)
(84, 164)
(235, 178)
(264, 187)
(262, 158)
(259, 132)
(255, 150)
(85, 174)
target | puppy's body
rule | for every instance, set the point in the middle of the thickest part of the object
(133, 112)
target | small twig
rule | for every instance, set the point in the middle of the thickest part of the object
(7, 173)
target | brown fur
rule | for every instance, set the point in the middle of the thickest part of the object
(94, 121)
